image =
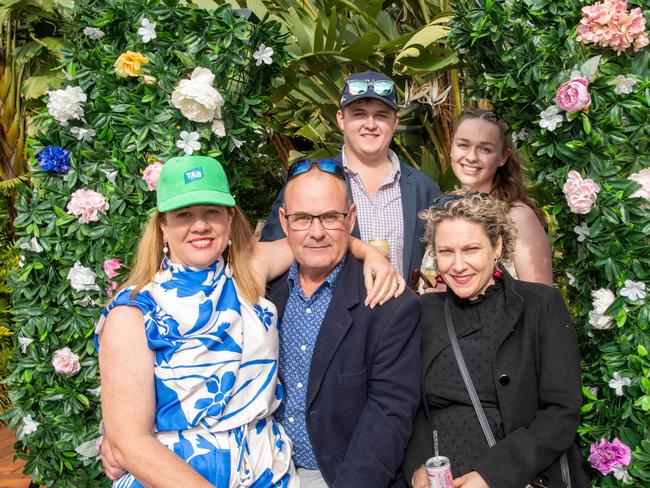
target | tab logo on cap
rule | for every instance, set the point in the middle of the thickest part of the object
(193, 175)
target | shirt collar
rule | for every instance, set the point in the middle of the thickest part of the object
(394, 160)
(293, 279)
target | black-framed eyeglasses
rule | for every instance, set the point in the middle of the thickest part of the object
(441, 202)
(329, 220)
(331, 166)
(380, 87)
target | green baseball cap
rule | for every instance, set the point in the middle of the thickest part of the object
(192, 180)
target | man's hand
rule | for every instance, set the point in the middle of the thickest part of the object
(420, 478)
(382, 281)
(471, 480)
(112, 468)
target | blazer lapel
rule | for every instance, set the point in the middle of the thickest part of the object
(410, 217)
(336, 323)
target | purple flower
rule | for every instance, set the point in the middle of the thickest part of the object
(54, 159)
(607, 456)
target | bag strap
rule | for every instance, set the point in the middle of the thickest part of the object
(478, 408)
(476, 403)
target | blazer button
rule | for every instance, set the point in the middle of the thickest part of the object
(504, 379)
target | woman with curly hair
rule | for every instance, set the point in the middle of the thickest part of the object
(520, 351)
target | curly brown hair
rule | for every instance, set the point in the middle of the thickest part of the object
(481, 208)
(509, 179)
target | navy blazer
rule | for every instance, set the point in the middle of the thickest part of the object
(364, 387)
(418, 191)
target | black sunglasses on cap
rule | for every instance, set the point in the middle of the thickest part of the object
(331, 166)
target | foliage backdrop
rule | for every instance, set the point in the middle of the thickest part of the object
(56, 414)
(518, 53)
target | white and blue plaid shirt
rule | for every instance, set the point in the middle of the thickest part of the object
(381, 217)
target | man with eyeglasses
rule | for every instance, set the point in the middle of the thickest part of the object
(350, 374)
(388, 194)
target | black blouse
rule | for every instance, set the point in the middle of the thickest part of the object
(459, 432)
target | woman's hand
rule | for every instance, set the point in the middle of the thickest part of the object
(112, 468)
(420, 478)
(471, 480)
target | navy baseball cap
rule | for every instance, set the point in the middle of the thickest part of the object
(369, 84)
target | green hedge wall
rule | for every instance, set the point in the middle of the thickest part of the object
(100, 137)
(587, 148)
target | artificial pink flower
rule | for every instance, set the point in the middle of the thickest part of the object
(66, 362)
(607, 456)
(609, 24)
(580, 193)
(151, 175)
(643, 178)
(85, 204)
(110, 265)
(573, 96)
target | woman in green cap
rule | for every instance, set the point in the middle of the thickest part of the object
(189, 348)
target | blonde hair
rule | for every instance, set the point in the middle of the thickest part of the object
(238, 256)
(480, 208)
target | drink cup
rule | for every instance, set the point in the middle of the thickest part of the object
(381, 245)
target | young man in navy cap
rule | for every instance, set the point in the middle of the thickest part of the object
(388, 194)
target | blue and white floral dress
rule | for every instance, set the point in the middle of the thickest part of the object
(216, 377)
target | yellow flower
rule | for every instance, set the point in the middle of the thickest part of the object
(130, 64)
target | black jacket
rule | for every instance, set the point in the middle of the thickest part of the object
(536, 371)
(364, 383)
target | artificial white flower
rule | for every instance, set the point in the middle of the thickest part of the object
(189, 142)
(82, 134)
(624, 85)
(111, 176)
(618, 382)
(218, 128)
(572, 279)
(29, 425)
(148, 30)
(633, 290)
(582, 230)
(21, 261)
(263, 55)
(87, 302)
(93, 33)
(82, 278)
(24, 343)
(32, 245)
(95, 391)
(66, 104)
(550, 118)
(196, 98)
(149, 80)
(601, 300)
(621, 474)
(237, 142)
(88, 449)
(522, 135)
(593, 390)
(67, 75)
